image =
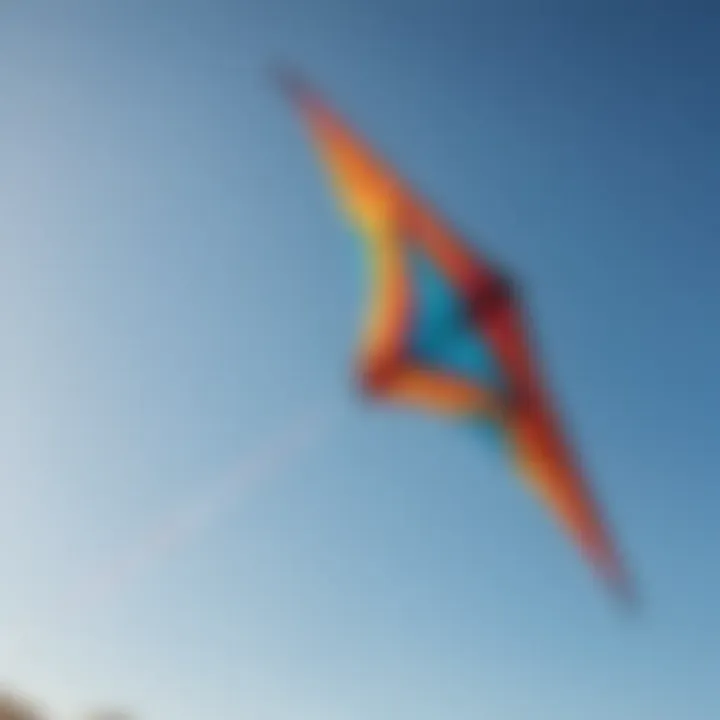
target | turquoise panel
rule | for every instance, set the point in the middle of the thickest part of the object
(440, 336)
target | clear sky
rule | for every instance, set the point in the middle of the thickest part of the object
(199, 518)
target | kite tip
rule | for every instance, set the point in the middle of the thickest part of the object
(612, 571)
(627, 598)
(289, 81)
(624, 591)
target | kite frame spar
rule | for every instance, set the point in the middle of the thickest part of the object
(393, 220)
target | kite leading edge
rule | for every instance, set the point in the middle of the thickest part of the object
(444, 330)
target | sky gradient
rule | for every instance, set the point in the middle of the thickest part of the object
(200, 518)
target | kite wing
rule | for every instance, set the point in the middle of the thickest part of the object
(444, 329)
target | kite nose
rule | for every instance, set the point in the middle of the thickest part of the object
(290, 82)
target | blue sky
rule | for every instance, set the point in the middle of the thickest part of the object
(200, 519)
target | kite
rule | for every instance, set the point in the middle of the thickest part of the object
(445, 331)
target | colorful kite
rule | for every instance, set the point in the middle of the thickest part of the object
(444, 330)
